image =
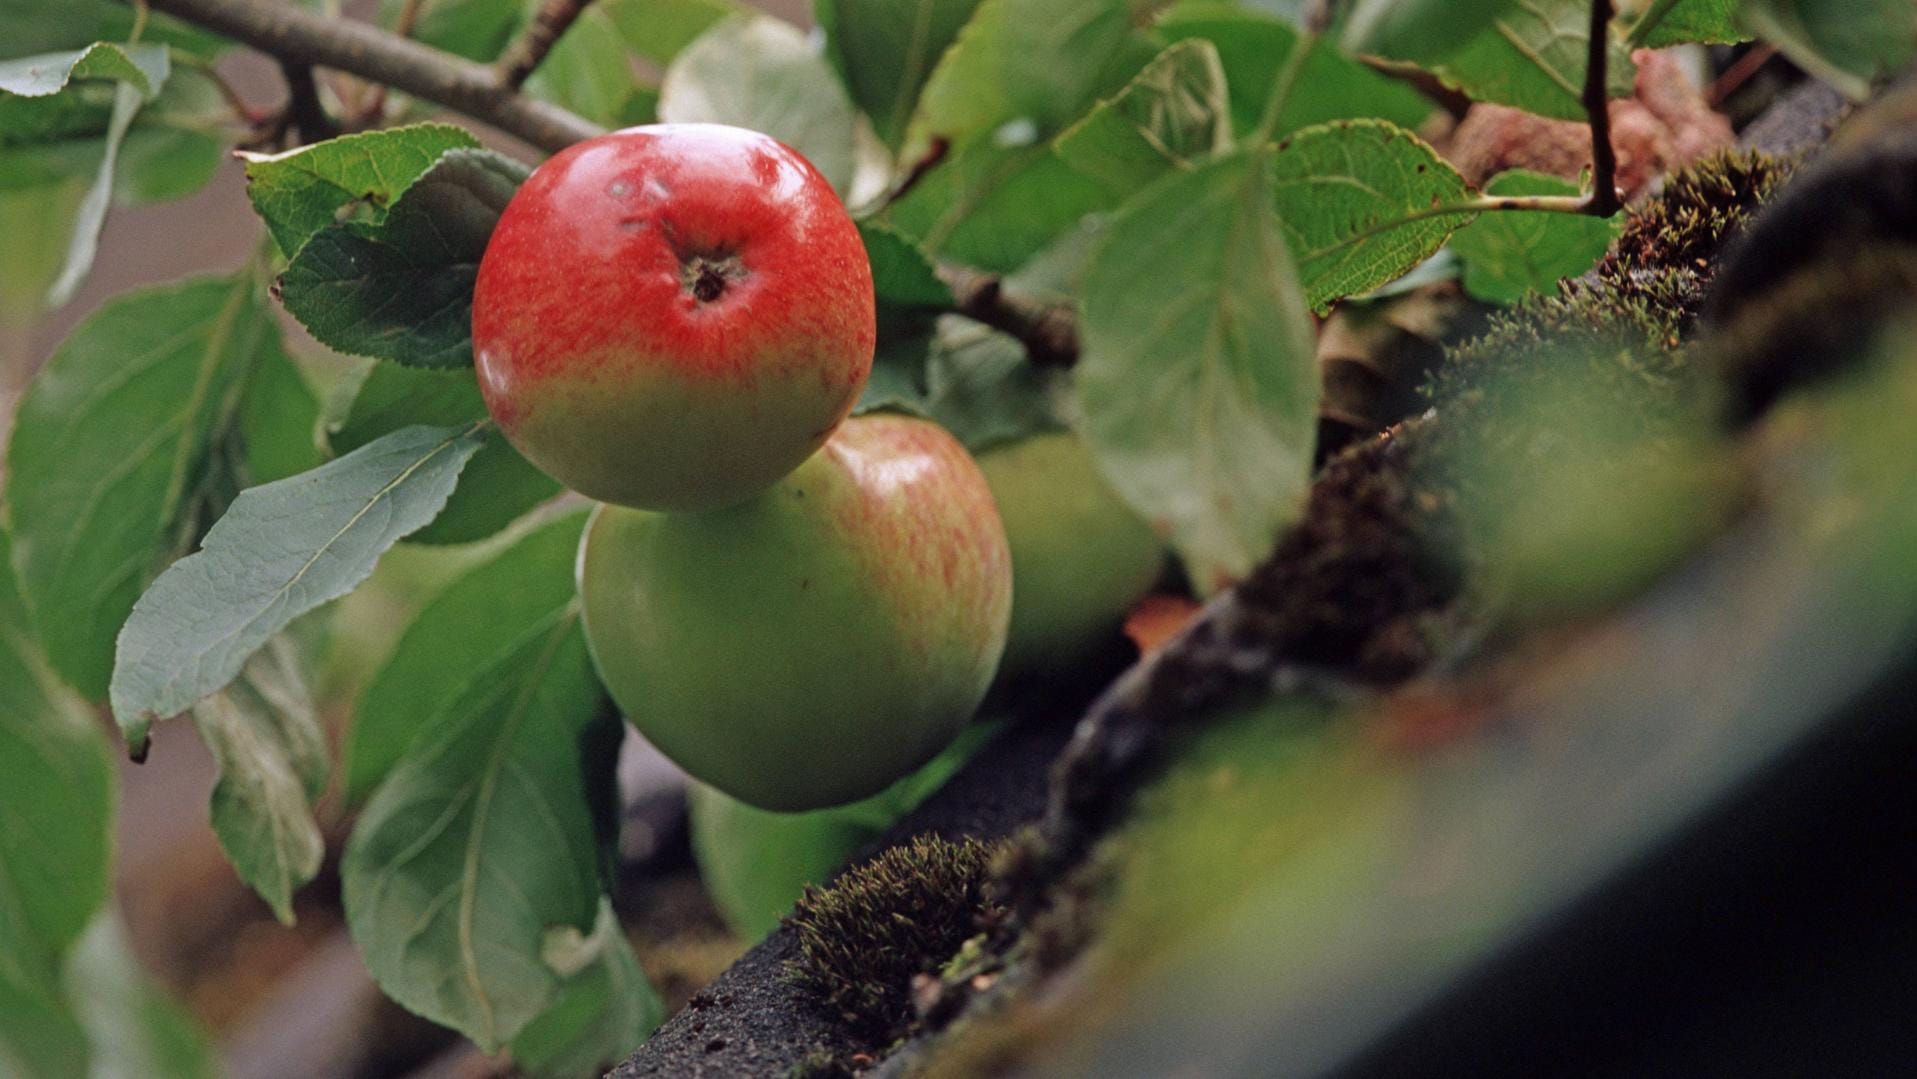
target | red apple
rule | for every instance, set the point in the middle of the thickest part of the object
(673, 317)
(814, 644)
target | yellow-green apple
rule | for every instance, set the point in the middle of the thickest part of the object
(673, 317)
(1080, 557)
(812, 645)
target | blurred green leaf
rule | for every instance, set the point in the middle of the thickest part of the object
(109, 446)
(1173, 114)
(886, 49)
(602, 1013)
(133, 1029)
(302, 191)
(402, 289)
(498, 486)
(1355, 198)
(36, 26)
(480, 847)
(1532, 57)
(466, 628)
(136, 75)
(474, 29)
(144, 67)
(281, 550)
(1509, 255)
(589, 70)
(279, 419)
(981, 386)
(1847, 43)
(56, 814)
(170, 150)
(1218, 453)
(34, 221)
(1657, 23)
(265, 736)
(759, 73)
(1330, 85)
(1418, 30)
(659, 29)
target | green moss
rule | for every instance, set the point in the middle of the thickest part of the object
(866, 936)
(1642, 301)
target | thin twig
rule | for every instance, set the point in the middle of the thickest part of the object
(303, 103)
(1739, 73)
(1048, 333)
(246, 113)
(289, 33)
(1604, 201)
(524, 53)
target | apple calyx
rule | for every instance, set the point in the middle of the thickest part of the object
(706, 276)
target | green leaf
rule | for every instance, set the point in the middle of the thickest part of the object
(601, 1015)
(497, 487)
(886, 49)
(171, 149)
(1017, 75)
(402, 289)
(91, 217)
(56, 815)
(1330, 86)
(1509, 255)
(144, 67)
(659, 29)
(1419, 30)
(1657, 23)
(1847, 43)
(1217, 451)
(137, 74)
(479, 850)
(995, 206)
(108, 451)
(302, 191)
(1031, 63)
(279, 420)
(902, 275)
(1356, 200)
(1175, 113)
(469, 627)
(280, 551)
(265, 736)
(1532, 57)
(760, 73)
(133, 1029)
(589, 70)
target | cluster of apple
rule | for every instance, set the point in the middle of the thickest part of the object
(797, 607)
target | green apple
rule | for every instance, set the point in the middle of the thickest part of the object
(1080, 557)
(816, 643)
(755, 862)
